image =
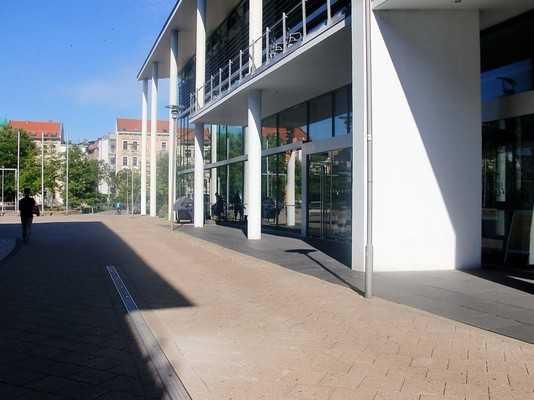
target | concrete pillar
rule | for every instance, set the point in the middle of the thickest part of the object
(198, 194)
(153, 137)
(359, 143)
(245, 175)
(427, 180)
(173, 97)
(254, 165)
(213, 179)
(200, 54)
(255, 32)
(200, 72)
(290, 189)
(144, 128)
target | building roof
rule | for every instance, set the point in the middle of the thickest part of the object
(134, 125)
(51, 129)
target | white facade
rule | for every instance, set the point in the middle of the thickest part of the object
(107, 155)
(421, 93)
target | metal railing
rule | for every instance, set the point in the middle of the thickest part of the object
(293, 28)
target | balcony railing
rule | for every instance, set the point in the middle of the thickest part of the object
(289, 32)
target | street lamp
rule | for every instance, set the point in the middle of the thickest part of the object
(174, 110)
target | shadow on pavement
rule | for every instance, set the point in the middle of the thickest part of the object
(64, 333)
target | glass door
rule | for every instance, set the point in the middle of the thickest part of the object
(330, 195)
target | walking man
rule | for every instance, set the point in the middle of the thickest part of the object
(27, 207)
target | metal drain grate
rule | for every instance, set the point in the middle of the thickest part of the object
(172, 385)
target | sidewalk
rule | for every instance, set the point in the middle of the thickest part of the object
(256, 330)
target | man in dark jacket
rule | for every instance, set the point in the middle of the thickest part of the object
(27, 207)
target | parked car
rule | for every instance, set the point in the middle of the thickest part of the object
(183, 207)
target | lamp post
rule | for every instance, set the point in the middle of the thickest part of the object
(172, 159)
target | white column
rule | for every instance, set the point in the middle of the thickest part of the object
(198, 201)
(144, 129)
(153, 138)
(200, 66)
(254, 165)
(213, 180)
(359, 155)
(427, 180)
(245, 176)
(173, 97)
(255, 31)
(290, 189)
(200, 72)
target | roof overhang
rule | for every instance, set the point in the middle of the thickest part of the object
(491, 11)
(183, 19)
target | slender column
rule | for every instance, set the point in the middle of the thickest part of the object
(254, 165)
(198, 194)
(200, 72)
(200, 67)
(255, 32)
(213, 180)
(153, 138)
(144, 129)
(290, 189)
(173, 89)
(245, 175)
(303, 157)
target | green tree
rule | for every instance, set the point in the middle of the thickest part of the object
(84, 177)
(162, 184)
(8, 159)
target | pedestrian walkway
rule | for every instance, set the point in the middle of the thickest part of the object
(232, 326)
(6, 247)
(63, 331)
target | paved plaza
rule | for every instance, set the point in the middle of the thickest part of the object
(233, 326)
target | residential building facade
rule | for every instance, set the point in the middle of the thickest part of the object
(363, 125)
(50, 131)
(128, 142)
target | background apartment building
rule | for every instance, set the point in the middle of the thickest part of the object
(128, 142)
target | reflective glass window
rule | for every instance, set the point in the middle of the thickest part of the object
(341, 111)
(235, 141)
(321, 117)
(221, 143)
(269, 134)
(292, 124)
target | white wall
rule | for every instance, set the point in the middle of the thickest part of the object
(427, 132)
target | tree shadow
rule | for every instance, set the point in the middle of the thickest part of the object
(64, 330)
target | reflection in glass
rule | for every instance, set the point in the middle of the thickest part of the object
(330, 195)
(235, 141)
(282, 190)
(341, 111)
(292, 124)
(269, 135)
(320, 125)
(222, 147)
(508, 191)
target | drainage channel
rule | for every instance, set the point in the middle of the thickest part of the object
(172, 385)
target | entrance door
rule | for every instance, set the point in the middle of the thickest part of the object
(330, 196)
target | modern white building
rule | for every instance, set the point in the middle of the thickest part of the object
(357, 124)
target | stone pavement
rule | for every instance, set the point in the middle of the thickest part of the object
(256, 330)
(237, 327)
(501, 301)
(63, 332)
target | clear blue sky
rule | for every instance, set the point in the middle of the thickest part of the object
(76, 61)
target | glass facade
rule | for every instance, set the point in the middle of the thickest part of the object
(508, 191)
(320, 118)
(281, 181)
(330, 195)
(507, 57)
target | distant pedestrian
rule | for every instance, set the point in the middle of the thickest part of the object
(27, 208)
